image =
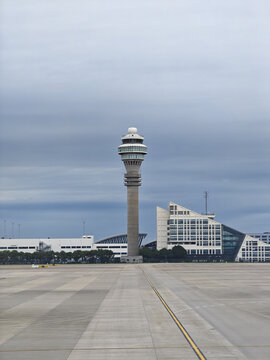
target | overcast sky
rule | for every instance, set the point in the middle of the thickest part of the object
(193, 76)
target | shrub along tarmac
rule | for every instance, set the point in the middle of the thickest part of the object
(122, 311)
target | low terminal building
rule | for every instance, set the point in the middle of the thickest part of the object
(204, 238)
(117, 244)
(50, 244)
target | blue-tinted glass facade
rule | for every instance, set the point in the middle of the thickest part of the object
(232, 241)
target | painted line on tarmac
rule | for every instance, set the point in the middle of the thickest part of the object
(177, 321)
(130, 348)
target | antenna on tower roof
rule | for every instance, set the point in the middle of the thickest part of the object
(12, 230)
(4, 235)
(206, 195)
(83, 228)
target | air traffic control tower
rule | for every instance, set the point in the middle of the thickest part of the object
(132, 153)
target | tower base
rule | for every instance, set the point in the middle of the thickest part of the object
(131, 259)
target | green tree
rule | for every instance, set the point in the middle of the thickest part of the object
(164, 254)
(77, 255)
(178, 252)
(13, 257)
(146, 253)
(62, 257)
(4, 257)
(104, 256)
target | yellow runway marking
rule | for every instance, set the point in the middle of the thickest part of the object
(178, 323)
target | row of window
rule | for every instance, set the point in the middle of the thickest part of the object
(204, 252)
(16, 247)
(255, 252)
(193, 227)
(172, 212)
(132, 156)
(195, 222)
(111, 247)
(259, 236)
(186, 242)
(256, 258)
(258, 247)
(194, 232)
(191, 241)
(124, 149)
(255, 246)
(131, 162)
(75, 247)
(192, 237)
(62, 247)
(195, 238)
(132, 141)
(188, 221)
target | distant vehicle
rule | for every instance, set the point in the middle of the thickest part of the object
(39, 266)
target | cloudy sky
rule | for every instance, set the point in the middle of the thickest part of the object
(193, 76)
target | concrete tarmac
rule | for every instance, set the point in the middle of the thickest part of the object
(110, 311)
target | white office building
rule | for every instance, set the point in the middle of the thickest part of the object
(253, 250)
(205, 238)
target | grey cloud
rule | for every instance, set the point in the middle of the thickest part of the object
(193, 77)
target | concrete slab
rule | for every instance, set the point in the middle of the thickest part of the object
(109, 311)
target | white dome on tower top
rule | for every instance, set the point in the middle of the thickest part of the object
(132, 130)
(132, 134)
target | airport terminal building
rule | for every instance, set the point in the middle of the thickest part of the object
(206, 239)
(117, 244)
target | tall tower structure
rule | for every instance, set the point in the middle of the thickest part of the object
(132, 151)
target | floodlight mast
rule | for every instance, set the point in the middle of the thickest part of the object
(132, 151)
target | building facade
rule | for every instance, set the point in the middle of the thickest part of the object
(205, 238)
(253, 250)
(265, 236)
(117, 244)
(50, 244)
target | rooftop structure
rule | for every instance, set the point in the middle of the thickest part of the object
(121, 239)
(117, 244)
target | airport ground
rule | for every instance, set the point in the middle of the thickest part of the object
(121, 311)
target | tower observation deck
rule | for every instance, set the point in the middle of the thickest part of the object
(132, 151)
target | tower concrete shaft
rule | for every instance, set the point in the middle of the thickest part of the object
(133, 220)
(132, 153)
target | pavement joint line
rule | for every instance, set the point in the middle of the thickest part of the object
(131, 348)
(189, 339)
